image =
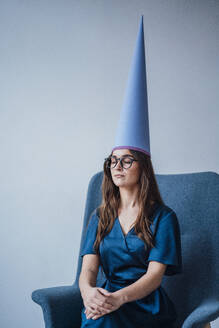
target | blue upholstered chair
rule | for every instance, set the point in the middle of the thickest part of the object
(195, 199)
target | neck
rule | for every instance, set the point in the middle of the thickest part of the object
(128, 197)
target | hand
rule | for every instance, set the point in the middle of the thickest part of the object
(113, 298)
(96, 301)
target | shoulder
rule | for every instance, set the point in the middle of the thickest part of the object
(165, 213)
(94, 216)
(165, 220)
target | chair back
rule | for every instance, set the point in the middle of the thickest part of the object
(195, 199)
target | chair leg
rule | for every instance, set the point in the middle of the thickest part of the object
(207, 325)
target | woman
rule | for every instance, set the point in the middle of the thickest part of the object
(135, 238)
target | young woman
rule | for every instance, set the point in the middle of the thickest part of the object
(135, 238)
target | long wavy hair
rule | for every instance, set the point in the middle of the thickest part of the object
(148, 197)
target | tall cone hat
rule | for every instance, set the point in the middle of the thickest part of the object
(133, 126)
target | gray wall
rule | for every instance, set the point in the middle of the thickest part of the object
(64, 67)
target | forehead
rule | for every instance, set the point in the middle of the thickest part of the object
(121, 152)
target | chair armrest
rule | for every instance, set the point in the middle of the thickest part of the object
(61, 306)
(206, 312)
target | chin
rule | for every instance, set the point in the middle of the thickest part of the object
(118, 184)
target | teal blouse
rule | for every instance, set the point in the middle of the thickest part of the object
(125, 259)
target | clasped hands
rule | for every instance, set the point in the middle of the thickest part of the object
(98, 301)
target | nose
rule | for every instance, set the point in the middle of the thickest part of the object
(120, 166)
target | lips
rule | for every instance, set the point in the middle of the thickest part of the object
(119, 176)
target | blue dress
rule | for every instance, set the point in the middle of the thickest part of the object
(125, 259)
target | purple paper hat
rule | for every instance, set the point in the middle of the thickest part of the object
(133, 126)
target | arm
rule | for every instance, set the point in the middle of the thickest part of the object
(94, 301)
(144, 285)
(139, 289)
(89, 271)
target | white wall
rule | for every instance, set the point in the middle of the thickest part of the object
(64, 67)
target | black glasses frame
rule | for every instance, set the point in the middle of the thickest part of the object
(120, 159)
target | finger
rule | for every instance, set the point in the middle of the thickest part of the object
(90, 306)
(90, 310)
(104, 304)
(97, 309)
(104, 291)
(104, 312)
(91, 315)
(102, 298)
(107, 306)
(87, 311)
(97, 316)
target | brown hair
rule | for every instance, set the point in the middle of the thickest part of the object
(148, 196)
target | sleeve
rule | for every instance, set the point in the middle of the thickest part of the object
(90, 235)
(167, 248)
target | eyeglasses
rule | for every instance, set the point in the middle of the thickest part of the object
(125, 162)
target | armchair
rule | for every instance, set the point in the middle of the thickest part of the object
(195, 199)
